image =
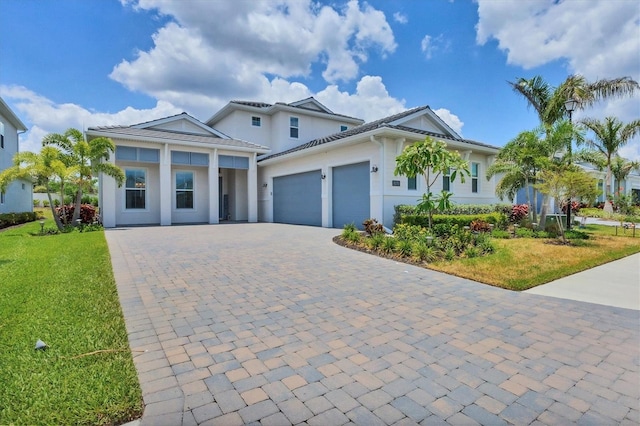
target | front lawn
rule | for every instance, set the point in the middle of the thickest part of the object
(60, 289)
(522, 263)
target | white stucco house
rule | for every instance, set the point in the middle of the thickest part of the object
(297, 163)
(18, 196)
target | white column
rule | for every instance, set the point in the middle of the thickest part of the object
(165, 186)
(252, 188)
(108, 193)
(214, 193)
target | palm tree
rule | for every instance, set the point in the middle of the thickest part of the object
(610, 135)
(88, 157)
(549, 101)
(621, 168)
(45, 167)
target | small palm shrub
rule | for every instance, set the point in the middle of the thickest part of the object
(404, 247)
(424, 252)
(375, 241)
(388, 245)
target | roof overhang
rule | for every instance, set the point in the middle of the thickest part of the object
(380, 132)
(11, 116)
(168, 140)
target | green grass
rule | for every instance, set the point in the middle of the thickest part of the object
(522, 263)
(60, 289)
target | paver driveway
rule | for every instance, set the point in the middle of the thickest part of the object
(275, 324)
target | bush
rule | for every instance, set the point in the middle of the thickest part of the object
(372, 227)
(500, 233)
(518, 213)
(573, 234)
(524, 233)
(12, 219)
(375, 241)
(404, 247)
(46, 203)
(402, 210)
(460, 220)
(407, 232)
(88, 213)
(36, 203)
(480, 225)
(388, 244)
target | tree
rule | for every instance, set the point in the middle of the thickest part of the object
(549, 101)
(431, 158)
(88, 157)
(610, 135)
(44, 167)
(567, 182)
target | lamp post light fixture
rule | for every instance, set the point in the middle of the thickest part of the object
(570, 105)
(41, 226)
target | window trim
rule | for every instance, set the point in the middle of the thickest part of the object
(296, 127)
(475, 179)
(146, 189)
(192, 190)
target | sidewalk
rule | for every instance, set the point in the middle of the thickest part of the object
(613, 284)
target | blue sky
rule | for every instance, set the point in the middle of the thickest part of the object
(69, 63)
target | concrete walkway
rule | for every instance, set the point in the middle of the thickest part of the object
(613, 284)
(274, 324)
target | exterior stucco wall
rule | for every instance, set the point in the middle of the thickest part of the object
(19, 194)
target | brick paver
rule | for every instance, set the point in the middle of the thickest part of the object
(275, 324)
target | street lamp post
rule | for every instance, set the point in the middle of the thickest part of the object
(570, 105)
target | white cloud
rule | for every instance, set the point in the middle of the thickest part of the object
(400, 18)
(600, 40)
(451, 119)
(430, 45)
(371, 100)
(227, 50)
(43, 116)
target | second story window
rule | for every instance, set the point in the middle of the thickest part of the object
(343, 128)
(1, 135)
(412, 183)
(255, 121)
(475, 172)
(293, 127)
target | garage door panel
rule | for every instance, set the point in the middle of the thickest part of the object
(351, 194)
(297, 199)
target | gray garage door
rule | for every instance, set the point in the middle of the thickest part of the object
(350, 189)
(297, 199)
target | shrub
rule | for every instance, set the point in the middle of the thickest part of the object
(421, 251)
(574, 234)
(372, 227)
(524, 233)
(449, 254)
(88, 213)
(375, 241)
(460, 220)
(471, 252)
(407, 232)
(518, 212)
(46, 203)
(11, 219)
(404, 247)
(480, 225)
(353, 237)
(500, 233)
(402, 210)
(388, 244)
(36, 203)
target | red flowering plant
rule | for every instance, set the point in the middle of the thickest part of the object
(88, 213)
(518, 212)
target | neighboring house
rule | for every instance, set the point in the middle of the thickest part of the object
(178, 170)
(315, 167)
(18, 196)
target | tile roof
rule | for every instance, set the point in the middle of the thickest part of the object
(381, 123)
(168, 135)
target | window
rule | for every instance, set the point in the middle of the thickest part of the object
(343, 128)
(475, 167)
(1, 135)
(192, 158)
(1, 197)
(145, 155)
(184, 190)
(255, 121)
(412, 183)
(446, 180)
(293, 127)
(135, 189)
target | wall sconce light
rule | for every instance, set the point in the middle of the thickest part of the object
(323, 176)
(374, 169)
(264, 185)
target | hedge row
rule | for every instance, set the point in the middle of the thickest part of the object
(461, 220)
(11, 219)
(460, 209)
